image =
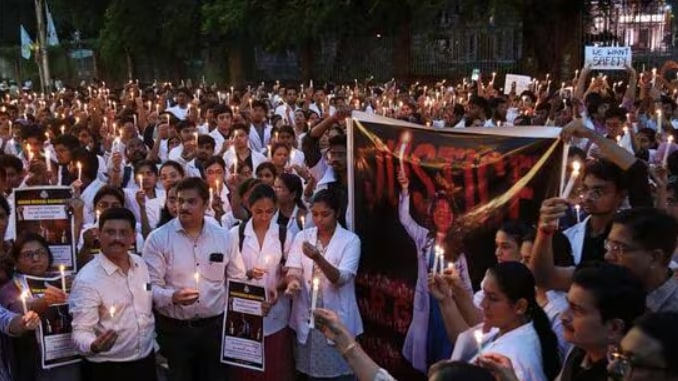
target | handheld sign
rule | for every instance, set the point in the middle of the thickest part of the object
(608, 57)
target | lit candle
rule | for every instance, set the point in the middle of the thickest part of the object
(62, 270)
(659, 121)
(28, 152)
(654, 77)
(211, 197)
(478, 335)
(196, 277)
(270, 154)
(79, 165)
(24, 296)
(235, 167)
(669, 140)
(576, 166)
(314, 299)
(48, 161)
(140, 178)
(577, 209)
(111, 313)
(436, 259)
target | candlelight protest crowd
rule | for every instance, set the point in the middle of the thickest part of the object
(206, 183)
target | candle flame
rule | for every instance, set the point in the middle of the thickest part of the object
(316, 282)
(111, 311)
(24, 295)
(576, 167)
(62, 268)
(478, 335)
(196, 276)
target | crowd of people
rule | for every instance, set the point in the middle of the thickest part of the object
(178, 189)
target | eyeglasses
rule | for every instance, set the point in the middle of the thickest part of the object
(593, 193)
(618, 248)
(623, 365)
(33, 254)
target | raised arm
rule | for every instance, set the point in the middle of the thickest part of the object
(546, 273)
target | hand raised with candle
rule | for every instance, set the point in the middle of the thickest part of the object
(54, 296)
(551, 211)
(255, 273)
(185, 296)
(268, 304)
(140, 196)
(310, 251)
(575, 129)
(293, 287)
(104, 342)
(403, 181)
(328, 323)
(500, 366)
(23, 323)
(438, 288)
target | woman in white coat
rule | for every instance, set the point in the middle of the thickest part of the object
(264, 247)
(322, 265)
(427, 342)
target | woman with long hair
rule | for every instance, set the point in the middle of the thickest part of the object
(322, 265)
(291, 209)
(426, 341)
(32, 257)
(263, 248)
(518, 327)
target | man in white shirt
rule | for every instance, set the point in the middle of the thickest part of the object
(111, 303)
(241, 153)
(189, 262)
(287, 109)
(181, 108)
(260, 131)
(221, 133)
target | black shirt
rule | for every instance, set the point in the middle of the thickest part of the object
(594, 246)
(574, 371)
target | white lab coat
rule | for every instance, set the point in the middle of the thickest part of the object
(343, 252)
(269, 256)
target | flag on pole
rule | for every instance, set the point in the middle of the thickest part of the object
(52, 38)
(26, 43)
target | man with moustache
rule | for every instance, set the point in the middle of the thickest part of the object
(111, 303)
(603, 303)
(190, 311)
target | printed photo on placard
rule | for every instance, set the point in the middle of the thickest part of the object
(243, 333)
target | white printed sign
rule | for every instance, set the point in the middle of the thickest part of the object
(517, 83)
(607, 57)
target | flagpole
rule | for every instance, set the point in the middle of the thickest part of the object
(42, 45)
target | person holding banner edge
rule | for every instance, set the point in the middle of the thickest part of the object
(426, 341)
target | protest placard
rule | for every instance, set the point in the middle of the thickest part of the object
(243, 333)
(607, 57)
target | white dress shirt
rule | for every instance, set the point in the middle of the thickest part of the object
(287, 113)
(87, 197)
(343, 252)
(229, 158)
(153, 205)
(173, 258)
(101, 285)
(521, 346)
(268, 256)
(256, 143)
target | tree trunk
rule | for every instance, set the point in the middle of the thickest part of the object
(402, 51)
(235, 65)
(130, 65)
